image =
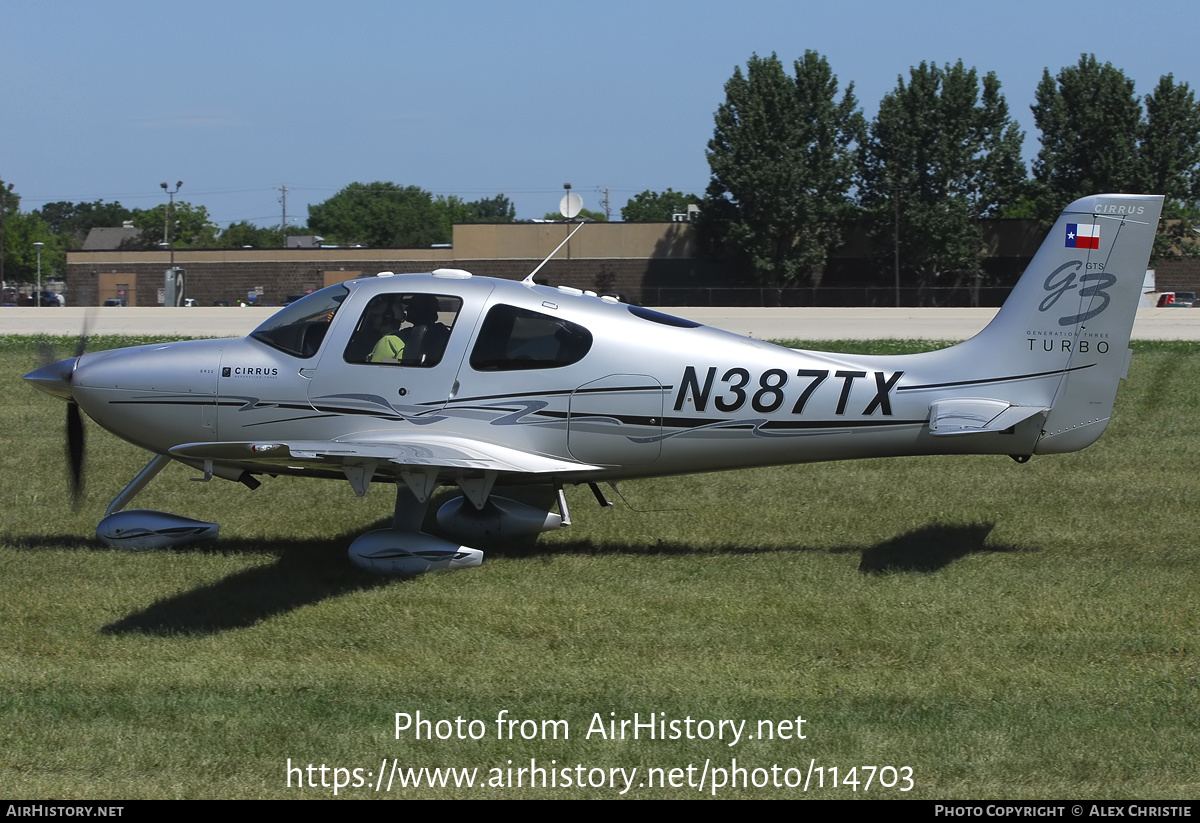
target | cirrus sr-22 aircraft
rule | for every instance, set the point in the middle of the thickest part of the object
(509, 390)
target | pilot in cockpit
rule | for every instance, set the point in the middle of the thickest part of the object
(390, 348)
(368, 333)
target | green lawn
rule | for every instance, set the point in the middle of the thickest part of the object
(998, 630)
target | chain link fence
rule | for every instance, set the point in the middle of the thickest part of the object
(828, 297)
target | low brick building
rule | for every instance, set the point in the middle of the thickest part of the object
(613, 258)
(646, 263)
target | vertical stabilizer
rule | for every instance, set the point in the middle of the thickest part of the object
(1073, 311)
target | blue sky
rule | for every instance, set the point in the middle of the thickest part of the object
(106, 100)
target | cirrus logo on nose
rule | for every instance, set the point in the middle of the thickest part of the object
(249, 371)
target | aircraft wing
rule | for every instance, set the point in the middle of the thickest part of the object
(417, 453)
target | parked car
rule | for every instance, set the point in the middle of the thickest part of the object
(49, 298)
(116, 301)
(1185, 298)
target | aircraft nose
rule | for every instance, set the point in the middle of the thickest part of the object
(54, 378)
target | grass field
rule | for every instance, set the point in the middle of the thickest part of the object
(1000, 630)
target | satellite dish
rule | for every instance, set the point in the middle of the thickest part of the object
(570, 206)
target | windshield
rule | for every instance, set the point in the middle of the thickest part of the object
(300, 328)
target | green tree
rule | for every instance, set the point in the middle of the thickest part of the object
(73, 221)
(1176, 238)
(782, 162)
(498, 209)
(657, 206)
(382, 215)
(19, 231)
(244, 233)
(22, 230)
(453, 209)
(190, 226)
(1091, 125)
(584, 214)
(942, 152)
(10, 201)
(1170, 151)
(1170, 165)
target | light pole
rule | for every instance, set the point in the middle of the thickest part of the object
(167, 219)
(38, 244)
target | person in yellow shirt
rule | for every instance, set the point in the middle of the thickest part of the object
(390, 347)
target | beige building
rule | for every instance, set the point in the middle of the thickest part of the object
(613, 258)
(646, 263)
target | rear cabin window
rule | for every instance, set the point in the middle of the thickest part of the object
(514, 339)
(403, 330)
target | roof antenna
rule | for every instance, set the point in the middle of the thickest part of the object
(569, 207)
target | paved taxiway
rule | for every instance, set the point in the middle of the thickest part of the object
(765, 324)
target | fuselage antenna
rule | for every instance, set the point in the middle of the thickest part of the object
(528, 281)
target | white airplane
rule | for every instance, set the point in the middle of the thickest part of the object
(510, 390)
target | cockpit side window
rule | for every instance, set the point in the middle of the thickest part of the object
(300, 328)
(403, 330)
(513, 339)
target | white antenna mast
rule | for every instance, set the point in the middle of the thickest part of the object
(528, 281)
(569, 207)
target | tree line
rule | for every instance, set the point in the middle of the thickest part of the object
(368, 214)
(794, 165)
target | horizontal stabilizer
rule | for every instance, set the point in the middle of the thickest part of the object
(968, 415)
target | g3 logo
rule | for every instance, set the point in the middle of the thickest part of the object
(1058, 286)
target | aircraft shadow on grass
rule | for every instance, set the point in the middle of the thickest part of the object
(930, 548)
(305, 572)
(310, 571)
(927, 549)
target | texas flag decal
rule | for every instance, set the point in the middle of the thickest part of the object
(1083, 237)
